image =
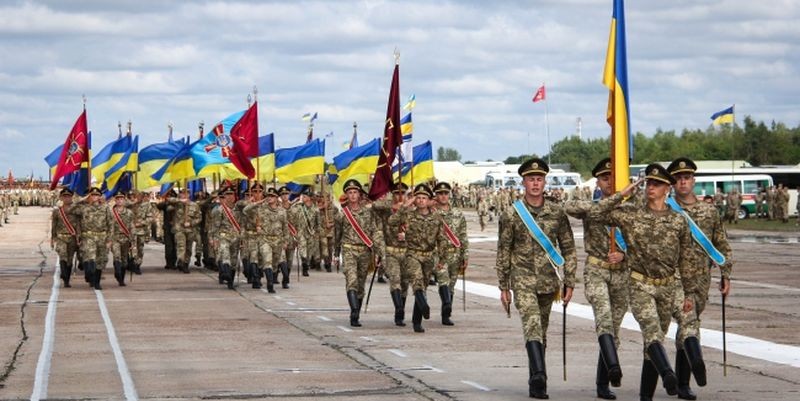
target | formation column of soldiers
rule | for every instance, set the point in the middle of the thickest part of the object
(655, 267)
(12, 198)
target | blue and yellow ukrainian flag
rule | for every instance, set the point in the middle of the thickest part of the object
(421, 169)
(264, 164)
(357, 163)
(411, 103)
(211, 149)
(128, 163)
(300, 164)
(179, 167)
(615, 78)
(52, 159)
(108, 157)
(406, 125)
(152, 158)
(724, 116)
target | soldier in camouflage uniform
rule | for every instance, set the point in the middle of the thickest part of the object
(697, 279)
(394, 262)
(184, 222)
(207, 203)
(605, 276)
(292, 239)
(143, 212)
(64, 235)
(326, 213)
(227, 230)
(358, 252)
(168, 215)
(122, 236)
(523, 266)
(424, 242)
(265, 223)
(309, 223)
(659, 245)
(455, 252)
(96, 225)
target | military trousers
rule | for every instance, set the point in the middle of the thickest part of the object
(326, 248)
(653, 307)
(93, 247)
(183, 244)
(419, 265)
(355, 265)
(607, 292)
(534, 311)
(396, 270)
(66, 248)
(264, 250)
(121, 250)
(452, 262)
(228, 250)
(690, 326)
(309, 247)
(140, 239)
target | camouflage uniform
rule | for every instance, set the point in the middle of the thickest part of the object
(96, 225)
(394, 261)
(121, 240)
(266, 228)
(453, 257)
(227, 234)
(327, 217)
(65, 243)
(185, 224)
(291, 243)
(523, 266)
(309, 223)
(142, 217)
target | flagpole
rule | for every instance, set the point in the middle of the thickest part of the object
(733, 124)
(258, 142)
(547, 126)
(89, 156)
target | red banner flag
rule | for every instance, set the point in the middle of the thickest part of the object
(10, 178)
(539, 95)
(75, 151)
(392, 138)
(245, 141)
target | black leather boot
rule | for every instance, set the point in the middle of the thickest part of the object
(647, 386)
(119, 273)
(695, 355)
(658, 355)
(184, 267)
(66, 272)
(88, 272)
(398, 308)
(684, 373)
(416, 318)
(247, 271)
(537, 381)
(352, 300)
(98, 274)
(447, 305)
(270, 277)
(419, 299)
(602, 380)
(608, 351)
(227, 274)
(255, 271)
(328, 267)
(304, 263)
(285, 272)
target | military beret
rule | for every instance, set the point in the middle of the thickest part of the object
(682, 165)
(352, 184)
(534, 166)
(272, 191)
(95, 191)
(257, 187)
(657, 172)
(424, 190)
(399, 187)
(284, 190)
(602, 167)
(442, 187)
(66, 191)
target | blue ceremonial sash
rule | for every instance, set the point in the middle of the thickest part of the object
(618, 238)
(556, 260)
(698, 234)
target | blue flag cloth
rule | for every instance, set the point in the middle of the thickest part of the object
(619, 239)
(556, 260)
(215, 146)
(698, 234)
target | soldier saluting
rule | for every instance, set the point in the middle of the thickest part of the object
(710, 242)
(531, 234)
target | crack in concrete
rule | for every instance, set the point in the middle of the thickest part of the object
(10, 365)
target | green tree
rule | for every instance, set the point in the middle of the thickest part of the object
(447, 154)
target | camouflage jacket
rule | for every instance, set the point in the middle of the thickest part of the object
(96, 220)
(658, 242)
(261, 219)
(596, 239)
(188, 212)
(707, 218)
(424, 232)
(221, 225)
(57, 226)
(454, 219)
(344, 233)
(126, 216)
(521, 261)
(391, 231)
(142, 216)
(308, 220)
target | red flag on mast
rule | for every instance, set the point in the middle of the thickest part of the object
(244, 135)
(75, 151)
(539, 95)
(392, 138)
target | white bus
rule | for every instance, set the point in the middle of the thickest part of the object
(556, 178)
(747, 185)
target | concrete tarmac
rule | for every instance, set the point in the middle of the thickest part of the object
(175, 336)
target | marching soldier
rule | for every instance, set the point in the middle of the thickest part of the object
(483, 211)
(455, 253)
(244, 240)
(605, 276)
(207, 203)
(168, 214)
(697, 279)
(734, 200)
(424, 242)
(142, 218)
(122, 236)
(359, 241)
(64, 234)
(226, 228)
(96, 225)
(526, 264)
(292, 240)
(267, 228)
(308, 225)
(326, 213)
(186, 218)
(394, 262)
(659, 244)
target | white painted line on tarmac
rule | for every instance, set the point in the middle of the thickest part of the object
(122, 367)
(368, 339)
(433, 369)
(42, 377)
(344, 329)
(476, 385)
(278, 297)
(324, 318)
(738, 344)
(290, 303)
(760, 285)
(399, 353)
(476, 240)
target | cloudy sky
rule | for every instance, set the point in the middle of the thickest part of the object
(473, 66)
